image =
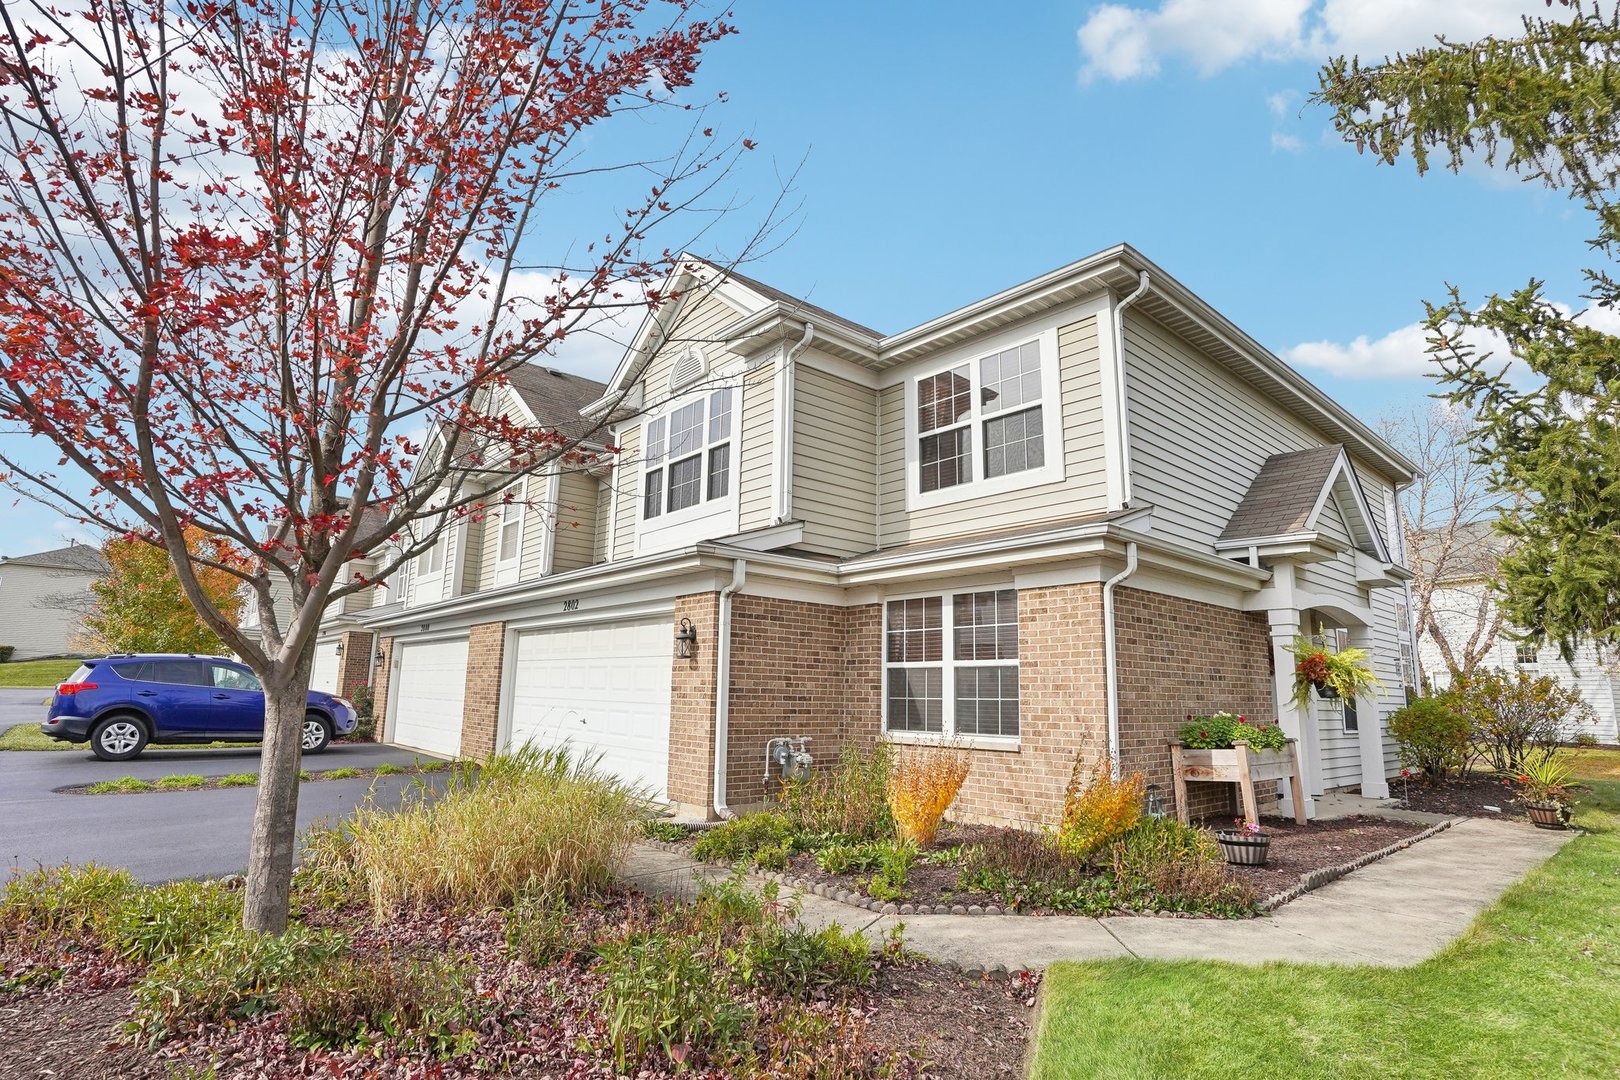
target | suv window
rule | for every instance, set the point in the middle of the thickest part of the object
(229, 678)
(180, 672)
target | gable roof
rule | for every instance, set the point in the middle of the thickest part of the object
(1287, 495)
(1475, 548)
(555, 398)
(797, 303)
(73, 557)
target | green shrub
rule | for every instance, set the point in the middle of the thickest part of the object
(1163, 865)
(547, 929)
(164, 921)
(744, 838)
(841, 858)
(894, 867)
(365, 723)
(660, 992)
(62, 900)
(659, 829)
(1098, 809)
(326, 876)
(850, 798)
(535, 821)
(1515, 719)
(426, 1004)
(6, 653)
(1027, 870)
(1586, 740)
(1220, 731)
(229, 976)
(1431, 736)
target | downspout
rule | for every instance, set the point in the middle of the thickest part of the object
(1111, 655)
(1143, 283)
(722, 687)
(784, 427)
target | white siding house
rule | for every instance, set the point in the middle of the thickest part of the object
(32, 624)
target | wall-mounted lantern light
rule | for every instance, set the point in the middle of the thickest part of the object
(379, 657)
(1153, 795)
(685, 640)
(340, 647)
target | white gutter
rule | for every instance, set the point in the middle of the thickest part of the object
(1111, 654)
(1122, 403)
(722, 687)
(784, 426)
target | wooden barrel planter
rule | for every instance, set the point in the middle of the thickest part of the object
(1243, 849)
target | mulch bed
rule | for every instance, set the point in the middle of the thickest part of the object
(1473, 796)
(1297, 850)
(545, 1022)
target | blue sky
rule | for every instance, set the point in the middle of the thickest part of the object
(954, 150)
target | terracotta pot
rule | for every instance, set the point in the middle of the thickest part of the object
(1546, 815)
(1243, 849)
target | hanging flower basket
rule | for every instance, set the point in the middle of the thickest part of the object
(1326, 692)
(1244, 846)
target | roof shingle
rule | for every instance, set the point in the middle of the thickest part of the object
(1283, 494)
(73, 557)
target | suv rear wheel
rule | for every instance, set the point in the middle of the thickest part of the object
(316, 734)
(118, 738)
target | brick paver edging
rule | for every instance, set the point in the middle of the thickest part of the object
(1309, 883)
(1321, 876)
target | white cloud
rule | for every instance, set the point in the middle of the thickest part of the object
(1119, 42)
(1285, 142)
(1282, 102)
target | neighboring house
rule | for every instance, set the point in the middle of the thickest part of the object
(1052, 522)
(44, 597)
(1471, 622)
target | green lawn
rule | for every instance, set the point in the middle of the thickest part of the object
(1531, 990)
(44, 674)
(29, 737)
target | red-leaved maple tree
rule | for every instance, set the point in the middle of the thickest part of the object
(254, 257)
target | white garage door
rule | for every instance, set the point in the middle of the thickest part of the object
(604, 690)
(324, 676)
(427, 707)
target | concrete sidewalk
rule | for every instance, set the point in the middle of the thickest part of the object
(1396, 912)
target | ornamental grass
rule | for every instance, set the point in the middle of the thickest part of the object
(923, 783)
(530, 822)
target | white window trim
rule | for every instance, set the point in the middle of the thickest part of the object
(424, 582)
(508, 570)
(947, 665)
(707, 518)
(1051, 404)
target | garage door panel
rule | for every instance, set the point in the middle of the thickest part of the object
(602, 691)
(432, 685)
(324, 675)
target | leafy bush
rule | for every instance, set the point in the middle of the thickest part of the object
(659, 829)
(326, 875)
(426, 1004)
(1219, 731)
(660, 992)
(1027, 869)
(228, 976)
(1431, 736)
(1164, 865)
(894, 866)
(1099, 809)
(62, 900)
(6, 653)
(761, 945)
(923, 782)
(849, 799)
(840, 858)
(762, 839)
(164, 921)
(547, 929)
(1586, 740)
(1514, 719)
(534, 821)
(365, 722)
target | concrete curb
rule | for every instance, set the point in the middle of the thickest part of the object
(1320, 877)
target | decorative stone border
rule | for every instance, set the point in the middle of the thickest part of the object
(1311, 882)
(1321, 876)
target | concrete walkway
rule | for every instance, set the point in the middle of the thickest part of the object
(1396, 912)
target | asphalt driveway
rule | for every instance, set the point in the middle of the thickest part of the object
(158, 836)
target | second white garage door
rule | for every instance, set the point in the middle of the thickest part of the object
(427, 706)
(324, 675)
(603, 690)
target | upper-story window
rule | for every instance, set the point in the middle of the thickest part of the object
(688, 458)
(986, 423)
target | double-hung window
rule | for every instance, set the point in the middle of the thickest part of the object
(988, 418)
(951, 665)
(509, 535)
(688, 456)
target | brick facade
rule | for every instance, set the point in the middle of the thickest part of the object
(379, 689)
(481, 704)
(354, 667)
(691, 707)
(1177, 657)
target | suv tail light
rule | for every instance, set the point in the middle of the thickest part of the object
(68, 689)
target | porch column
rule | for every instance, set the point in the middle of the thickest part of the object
(1296, 723)
(1370, 729)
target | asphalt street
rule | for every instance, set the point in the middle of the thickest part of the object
(158, 836)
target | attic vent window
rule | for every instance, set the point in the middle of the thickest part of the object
(691, 367)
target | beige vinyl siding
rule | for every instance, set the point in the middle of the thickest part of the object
(1338, 750)
(357, 601)
(575, 521)
(627, 490)
(31, 626)
(478, 534)
(535, 524)
(1083, 490)
(834, 448)
(603, 516)
(699, 321)
(756, 467)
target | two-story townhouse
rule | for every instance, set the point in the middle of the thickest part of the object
(1050, 523)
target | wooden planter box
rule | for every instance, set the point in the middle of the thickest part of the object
(1241, 766)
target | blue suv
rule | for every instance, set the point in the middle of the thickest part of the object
(118, 704)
